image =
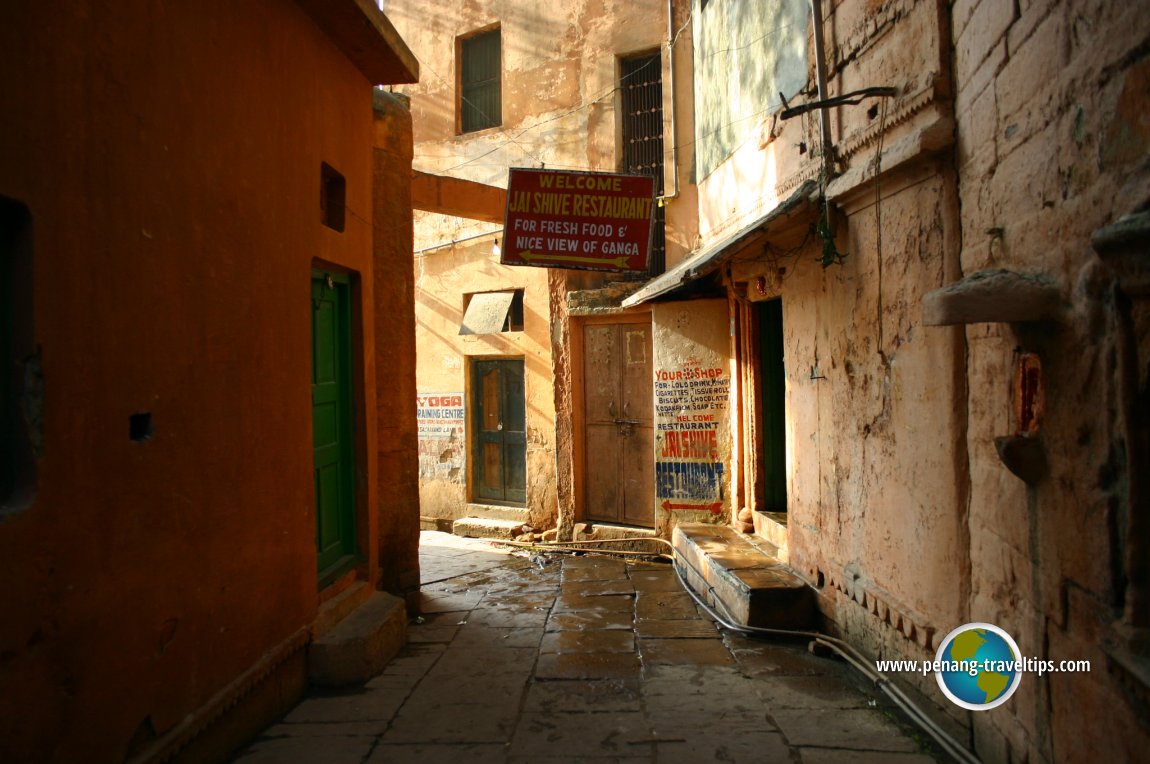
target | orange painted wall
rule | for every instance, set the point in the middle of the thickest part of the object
(170, 157)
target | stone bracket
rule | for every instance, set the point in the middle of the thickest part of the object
(994, 296)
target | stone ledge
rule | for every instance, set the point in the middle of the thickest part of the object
(360, 645)
(487, 528)
(993, 296)
(497, 512)
(755, 588)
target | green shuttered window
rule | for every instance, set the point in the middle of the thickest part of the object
(480, 82)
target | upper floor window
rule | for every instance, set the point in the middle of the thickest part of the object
(480, 85)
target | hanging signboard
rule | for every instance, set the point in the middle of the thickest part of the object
(586, 220)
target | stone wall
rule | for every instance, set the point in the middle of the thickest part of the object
(1053, 141)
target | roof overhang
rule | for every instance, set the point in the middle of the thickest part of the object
(365, 35)
(799, 208)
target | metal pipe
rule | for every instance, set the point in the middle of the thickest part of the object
(821, 75)
(849, 654)
(671, 85)
(453, 242)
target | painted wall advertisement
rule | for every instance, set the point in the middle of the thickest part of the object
(441, 422)
(586, 220)
(690, 402)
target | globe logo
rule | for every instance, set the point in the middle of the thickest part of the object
(978, 666)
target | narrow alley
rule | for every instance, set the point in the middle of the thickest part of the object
(319, 319)
(584, 658)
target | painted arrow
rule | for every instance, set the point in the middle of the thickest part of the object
(714, 509)
(529, 256)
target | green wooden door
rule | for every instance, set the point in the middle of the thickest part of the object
(333, 424)
(500, 427)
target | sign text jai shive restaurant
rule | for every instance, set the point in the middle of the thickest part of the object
(566, 219)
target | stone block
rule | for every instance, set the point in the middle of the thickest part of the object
(976, 127)
(988, 25)
(767, 595)
(487, 528)
(1027, 94)
(359, 646)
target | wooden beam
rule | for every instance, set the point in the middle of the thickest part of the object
(458, 197)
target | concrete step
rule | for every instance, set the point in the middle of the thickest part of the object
(772, 526)
(748, 582)
(497, 512)
(490, 528)
(359, 646)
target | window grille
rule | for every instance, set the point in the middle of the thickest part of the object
(641, 86)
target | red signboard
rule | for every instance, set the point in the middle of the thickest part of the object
(589, 220)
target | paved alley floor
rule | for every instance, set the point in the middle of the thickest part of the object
(566, 659)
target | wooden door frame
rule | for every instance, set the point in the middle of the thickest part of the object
(578, 419)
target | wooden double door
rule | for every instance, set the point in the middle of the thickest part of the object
(619, 446)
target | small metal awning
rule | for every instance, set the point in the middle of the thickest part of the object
(486, 313)
(801, 205)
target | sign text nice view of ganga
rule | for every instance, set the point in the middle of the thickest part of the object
(565, 219)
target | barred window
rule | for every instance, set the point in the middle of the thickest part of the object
(641, 88)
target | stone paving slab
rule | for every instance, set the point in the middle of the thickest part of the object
(657, 580)
(841, 756)
(289, 750)
(861, 729)
(731, 747)
(583, 660)
(467, 753)
(688, 652)
(591, 735)
(601, 641)
(597, 695)
(662, 628)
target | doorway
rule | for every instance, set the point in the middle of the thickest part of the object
(333, 424)
(499, 424)
(619, 468)
(772, 408)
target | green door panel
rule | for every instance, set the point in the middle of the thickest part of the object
(333, 425)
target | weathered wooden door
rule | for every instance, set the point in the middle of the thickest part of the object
(500, 427)
(619, 474)
(333, 423)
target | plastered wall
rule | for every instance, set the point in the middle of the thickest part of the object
(560, 104)
(874, 400)
(443, 278)
(174, 205)
(693, 395)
